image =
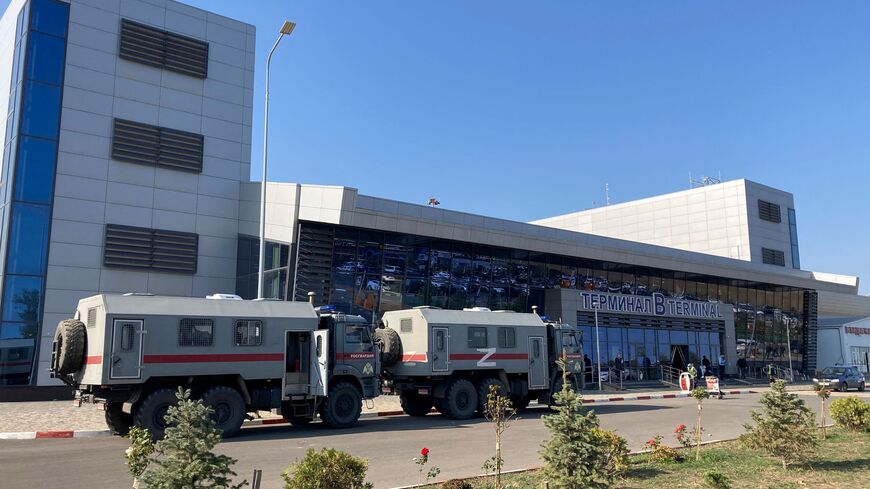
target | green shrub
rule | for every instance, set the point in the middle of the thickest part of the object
(615, 456)
(327, 469)
(717, 480)
(784, 428)
(457, 484)
(851, 413)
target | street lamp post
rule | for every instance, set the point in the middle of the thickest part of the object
(286, 29)
(597, 344)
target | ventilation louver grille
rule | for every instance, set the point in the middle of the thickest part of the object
(768, 211)
(150, 249)
(772, 257)
(162, 49)
(145, 144)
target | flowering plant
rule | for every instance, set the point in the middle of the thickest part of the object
(422, 460)
(660, 452)
(683, 438)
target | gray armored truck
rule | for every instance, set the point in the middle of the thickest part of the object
(131, 352)
(449, 359)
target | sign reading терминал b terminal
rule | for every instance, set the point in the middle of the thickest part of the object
(655, 305)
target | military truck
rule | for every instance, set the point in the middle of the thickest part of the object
(131, 352)
(449, 359)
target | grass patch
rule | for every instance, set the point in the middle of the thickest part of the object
(843, 461)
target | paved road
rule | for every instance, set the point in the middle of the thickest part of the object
(458, 448)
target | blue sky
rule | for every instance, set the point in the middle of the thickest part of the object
(524, 110)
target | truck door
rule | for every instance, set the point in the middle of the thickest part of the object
(126, 359)
(440, 350)
(537, 363)
(319, 363)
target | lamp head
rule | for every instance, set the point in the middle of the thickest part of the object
(287, 27)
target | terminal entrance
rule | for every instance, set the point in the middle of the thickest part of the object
(679, 356)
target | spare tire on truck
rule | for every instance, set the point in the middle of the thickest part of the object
(390, 344)
(69, 346)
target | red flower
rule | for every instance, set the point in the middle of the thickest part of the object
(424, 452)
(651, 442)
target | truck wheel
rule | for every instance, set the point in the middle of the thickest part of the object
(150, 413)
(342, 407)
(416, 405)
(483, 392)
(389, 344)
(117, 420)
(229, 409)
(461, 400)
(69, 340)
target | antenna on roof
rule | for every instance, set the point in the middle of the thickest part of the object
(704, 181)
(433, 201)
(607, 194)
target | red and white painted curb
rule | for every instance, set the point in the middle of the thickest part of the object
(30, 435)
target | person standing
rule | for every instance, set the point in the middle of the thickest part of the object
(617, 365)
(741, 367)
(647, 366)
(722, 364)
(705, 367)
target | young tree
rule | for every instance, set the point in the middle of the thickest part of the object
(824, 393)
(327, 469)
(784, 428)
(185, 458)
(500, 412)
(699, 394)
(574, 456)
(139, 453)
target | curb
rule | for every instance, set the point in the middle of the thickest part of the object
(30, 435)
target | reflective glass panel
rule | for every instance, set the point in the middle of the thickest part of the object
(46, 55)
(16, 358)
(22, 298)
(34, 173)
(49, 16)
(15, 331)
(28, 239)
(40, 110)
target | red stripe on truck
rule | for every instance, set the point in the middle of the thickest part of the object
(355, 356)
(215, 358)
(93, 360)
(494, 356)
(416, 357)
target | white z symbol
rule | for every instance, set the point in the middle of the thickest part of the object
(487, 352)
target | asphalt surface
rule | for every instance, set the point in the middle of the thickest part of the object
(459, 448)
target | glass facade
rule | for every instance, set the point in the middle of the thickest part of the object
(27, 186)
(369, 272)
(247, 266)
(793, 236)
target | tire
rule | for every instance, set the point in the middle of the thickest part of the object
(416, 405)
(461, 400)
(844, 387)
(342, 407)
(117, 420)
(229, 409)
(483, 392)
(69, 340)
(389, 344)
(150, 412)
(861, 387)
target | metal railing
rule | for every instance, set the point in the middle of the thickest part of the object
(670, 375)
(780, 373)
(614, 379)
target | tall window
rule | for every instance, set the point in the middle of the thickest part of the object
(793, 237)
(27, 185)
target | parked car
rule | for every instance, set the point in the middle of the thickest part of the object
(842, 377)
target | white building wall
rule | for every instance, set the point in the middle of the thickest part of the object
(93, 190)
(766, 234)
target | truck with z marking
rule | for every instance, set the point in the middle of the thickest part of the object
(131, 352)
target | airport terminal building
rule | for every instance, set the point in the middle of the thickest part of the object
(126, 168)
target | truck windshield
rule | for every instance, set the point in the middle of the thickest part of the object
(357, 334)
(569, 339)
